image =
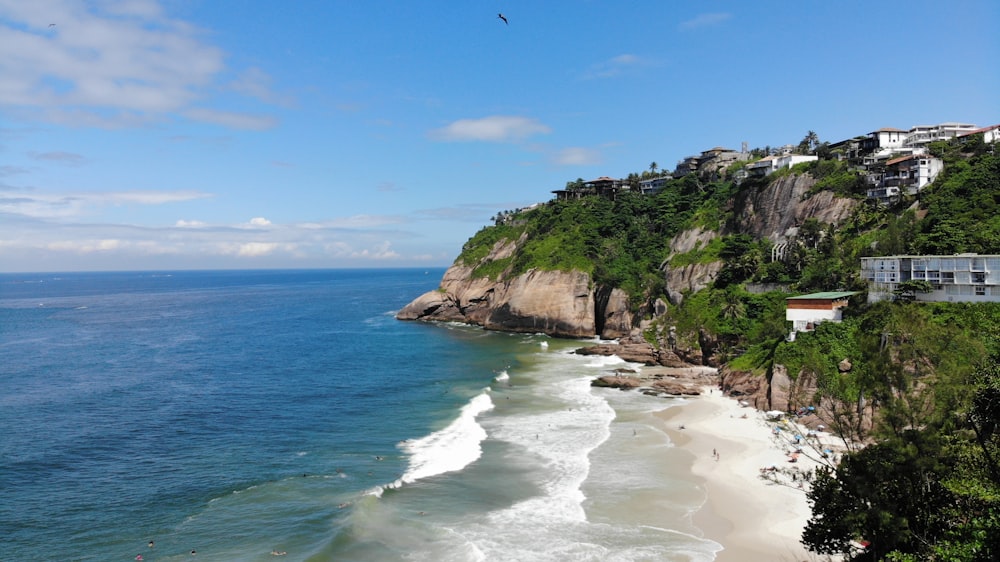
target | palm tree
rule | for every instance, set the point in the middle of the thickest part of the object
(653, 167)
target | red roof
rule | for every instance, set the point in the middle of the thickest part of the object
(903, 159)
(983, 130)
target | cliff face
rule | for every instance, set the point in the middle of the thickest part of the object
(568, 304)
(552, 302)
(774, 212)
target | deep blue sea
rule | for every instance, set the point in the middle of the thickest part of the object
(239, 414)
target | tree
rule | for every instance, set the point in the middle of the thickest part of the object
(653, 167)
(809, 143)
(907, 290)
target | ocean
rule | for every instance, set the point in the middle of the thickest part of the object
(243, 414)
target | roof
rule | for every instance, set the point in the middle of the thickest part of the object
(828, 295)
(905, 158)
(889, 130)
(983, 130)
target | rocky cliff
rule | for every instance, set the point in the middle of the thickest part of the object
(569, 304)
(557, 303)
(774, 212)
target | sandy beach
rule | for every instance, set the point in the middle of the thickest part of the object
(756, 516)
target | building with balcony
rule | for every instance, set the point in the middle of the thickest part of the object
(921, 135)
(955, 278)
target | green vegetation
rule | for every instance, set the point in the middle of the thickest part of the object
(621, 243)
(923, 389)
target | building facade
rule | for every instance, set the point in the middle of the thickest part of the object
(955, 278)
(805, 312)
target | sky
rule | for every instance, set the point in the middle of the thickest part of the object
(225, 134)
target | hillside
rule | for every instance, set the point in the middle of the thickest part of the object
(700, 270)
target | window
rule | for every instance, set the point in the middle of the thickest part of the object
(980, 291)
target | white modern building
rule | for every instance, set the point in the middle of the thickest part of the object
(923, 134)
(955, 278)
(770, 164)
(805, 312)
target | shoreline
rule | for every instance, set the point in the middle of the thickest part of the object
(755, 519)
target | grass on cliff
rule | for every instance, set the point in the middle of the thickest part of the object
(621, 243)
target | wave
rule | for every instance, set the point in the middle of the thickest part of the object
(450, 449)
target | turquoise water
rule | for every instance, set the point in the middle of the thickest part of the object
(240, 413)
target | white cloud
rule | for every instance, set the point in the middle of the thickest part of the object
(704, 20)
(255, 249)
(614, 66)
(577, 156)
(49, 205)
(85, 246)
(259, 221)
(181, 223)
(231, 119)
(496, 128)
(256, 83)
(112, 64)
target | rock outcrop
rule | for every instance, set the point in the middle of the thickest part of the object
(774, 212)
(682, 381)
(557, 303)
(569, 304)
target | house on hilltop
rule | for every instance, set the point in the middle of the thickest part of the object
(905, 174)
(603, 186)
(883, 139)
(770, 164)
(715, 159)
(990, 134)
(922, 135)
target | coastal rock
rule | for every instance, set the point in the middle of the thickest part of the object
(632, 352)
(636, 350)
(617, 381)
(780, 389)
(656, 381)
(675, 388)
(552, 302)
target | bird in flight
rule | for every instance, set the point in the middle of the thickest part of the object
(503, 18)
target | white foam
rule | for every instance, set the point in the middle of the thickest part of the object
(450, 449)
(502, 377)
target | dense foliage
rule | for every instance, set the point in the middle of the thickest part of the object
(921, 401)
(620, 242)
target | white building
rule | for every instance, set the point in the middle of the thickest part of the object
(905, 174)
(807, 311)
(955, 278)
(923, 134)
(990, 134)
(650, 186)
(770, 164)
(884, 139)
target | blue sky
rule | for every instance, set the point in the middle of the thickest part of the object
(189, 134)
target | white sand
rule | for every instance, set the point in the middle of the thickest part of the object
(754, 518)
